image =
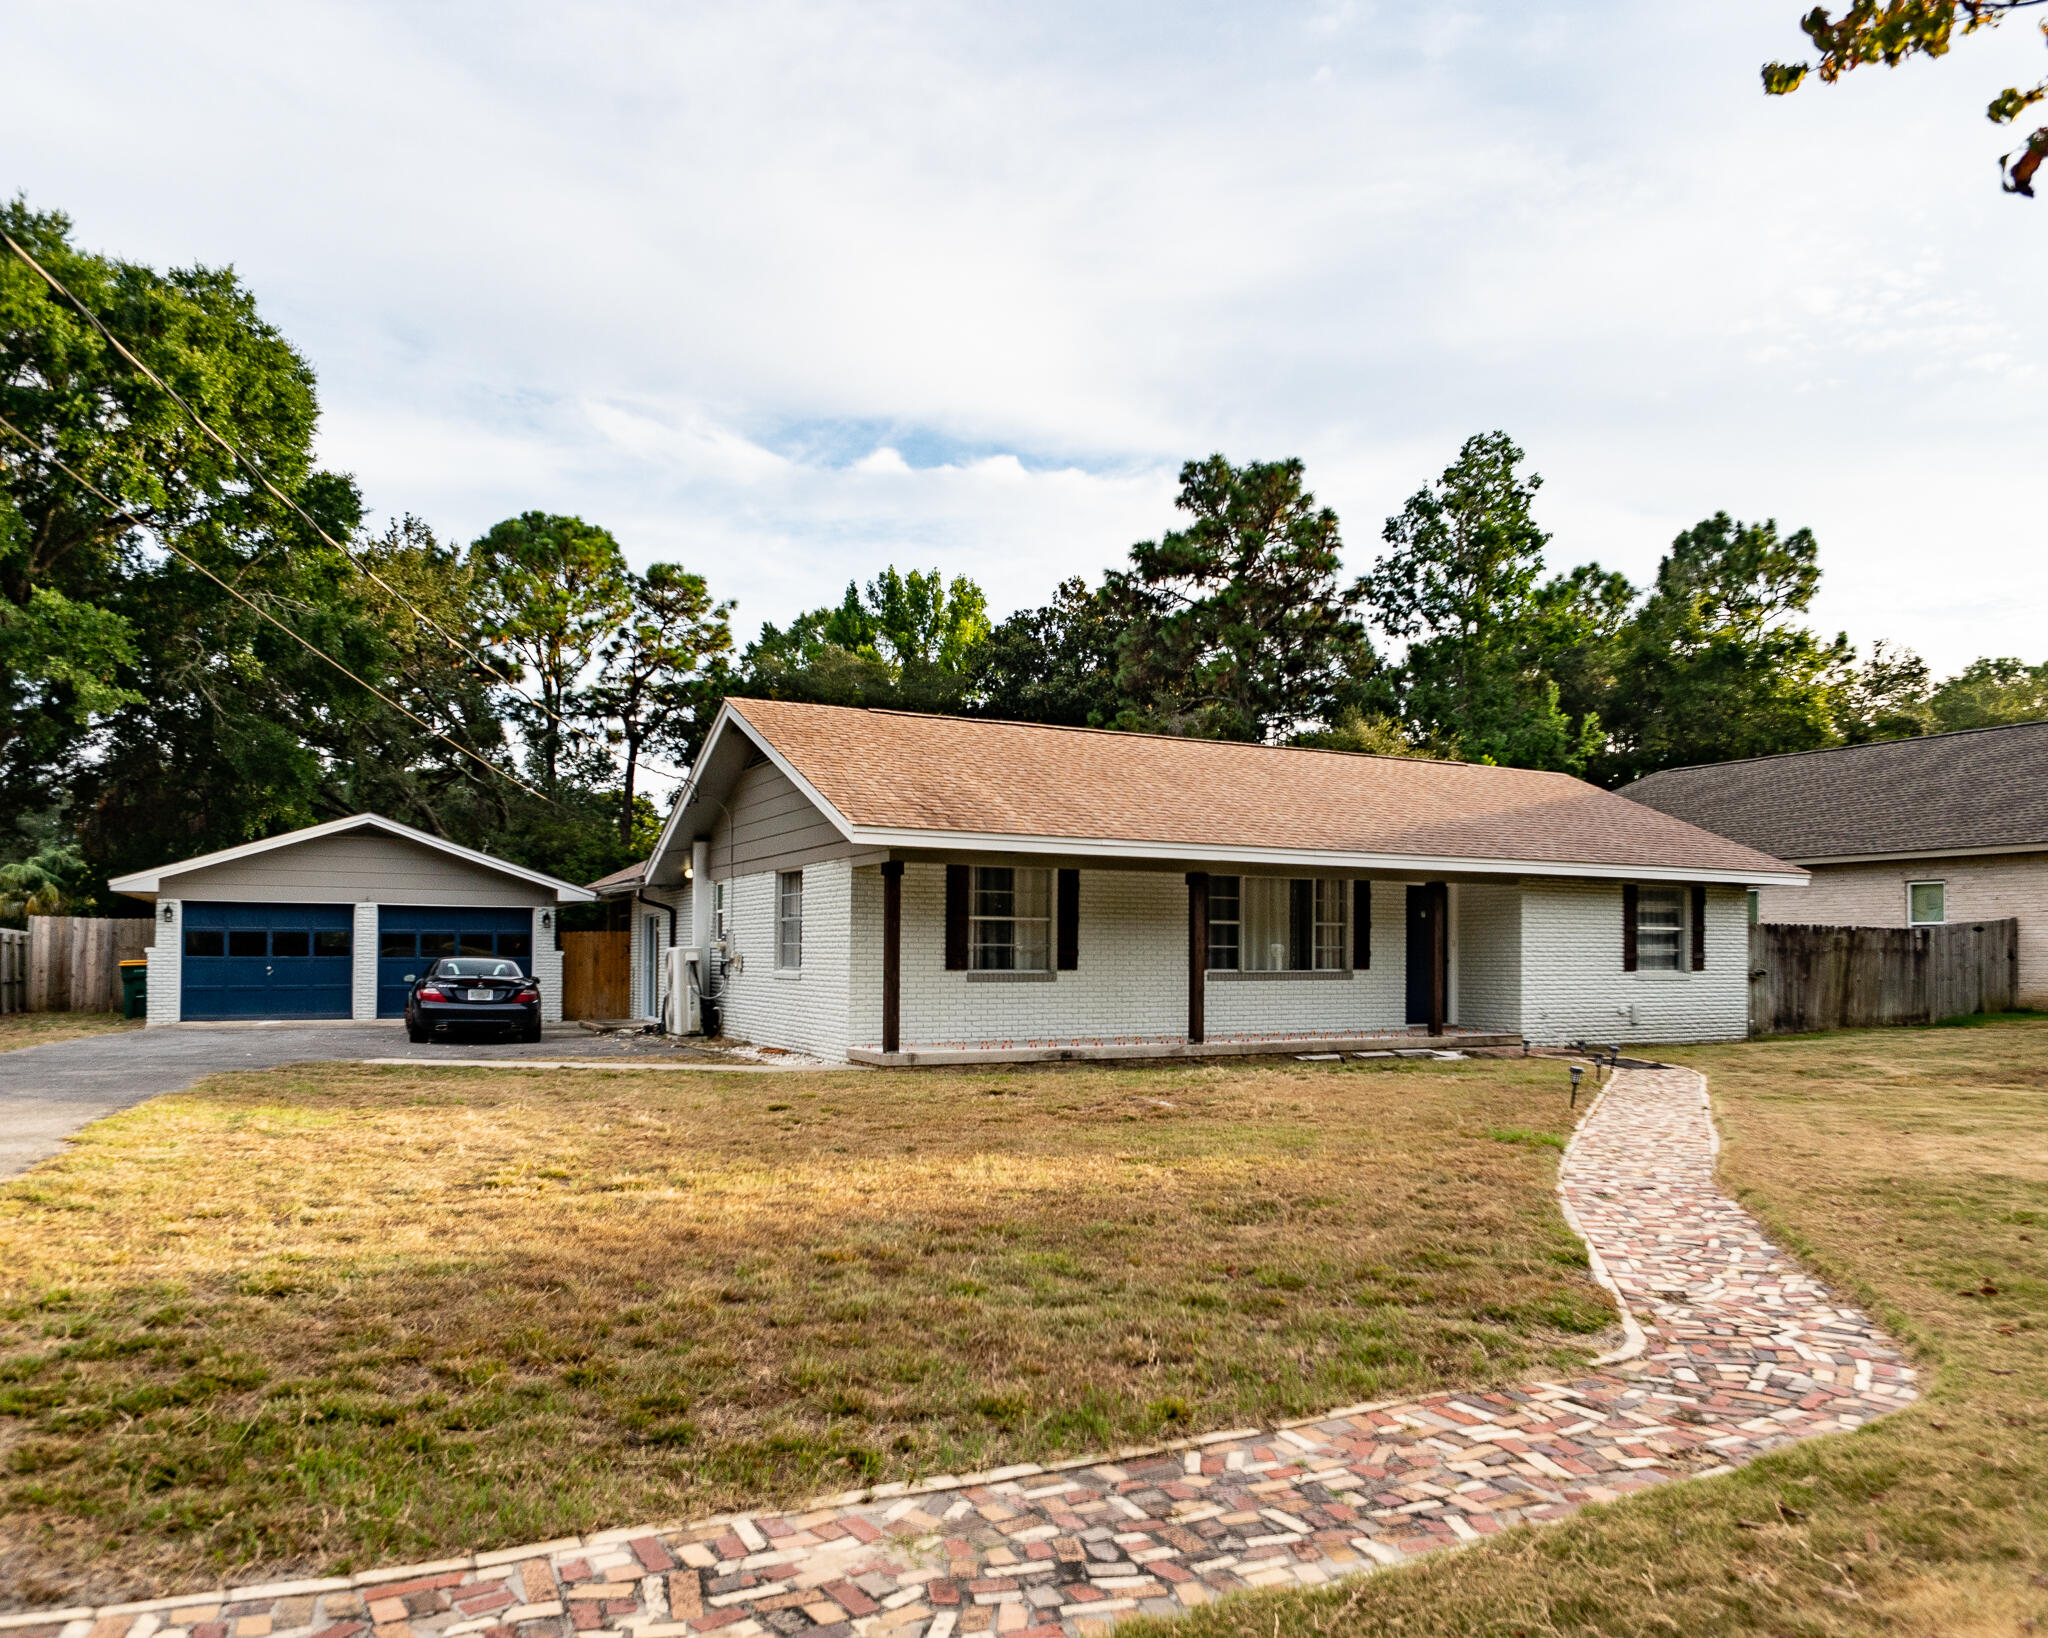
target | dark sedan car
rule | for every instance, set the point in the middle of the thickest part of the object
(469, 993)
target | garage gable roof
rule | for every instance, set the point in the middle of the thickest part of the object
(145, 883)
(897, 780)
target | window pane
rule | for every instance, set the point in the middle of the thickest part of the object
(248, 943)
(332, 943)
(995, 891)
(1223, 924)
(1660, 928)
(517, 945)
(1331, 895)
(291, 944)
(477, 944)
(433, 945)
(397, 946)
(1929, 901)
(995, 945)
(205, 943)
(1262, 938)
(789, 923)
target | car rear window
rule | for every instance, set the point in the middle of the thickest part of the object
(477, 969)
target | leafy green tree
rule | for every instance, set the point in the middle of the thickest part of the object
(1885, 697)
(1718, 665)
(662, 674)
(1375, 734)
(1057, 663)
(1990, 693)
(551, 590)
(1890, 31)
(1460, 583)
(1237, 626)
(909, 640)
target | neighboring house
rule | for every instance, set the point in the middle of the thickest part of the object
(896, 888)
(1901, 833)
(334, 921)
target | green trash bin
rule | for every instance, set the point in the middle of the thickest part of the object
(134, 989)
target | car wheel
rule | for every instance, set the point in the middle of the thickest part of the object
(418, 1034)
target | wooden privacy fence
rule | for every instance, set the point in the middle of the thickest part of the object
(13, 970)
(1809, 978)
(597, 975)
(72, 960)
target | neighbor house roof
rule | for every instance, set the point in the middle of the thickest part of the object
(1981, 790)
(629, 880)
(894, 779)
(144, 883)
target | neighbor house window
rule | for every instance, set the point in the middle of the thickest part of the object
(1926, 903)
(1224, 925)
(1010, 920)
(1279, 924)
(1660, 929)
(1755, 906)
(789, 919)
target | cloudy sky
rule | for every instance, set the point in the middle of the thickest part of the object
(788, 291)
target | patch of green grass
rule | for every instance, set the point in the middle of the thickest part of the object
(1523, 1135)
(303, 1321)
(1910, 1168)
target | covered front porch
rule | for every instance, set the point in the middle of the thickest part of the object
(994, 959)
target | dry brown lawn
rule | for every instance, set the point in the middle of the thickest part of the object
(24, 1029)
(1910, 1167)
(307, 1320)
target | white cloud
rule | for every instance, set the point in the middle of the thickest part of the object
(789, 288)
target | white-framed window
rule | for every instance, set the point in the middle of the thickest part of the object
(1926, 903)
(1279, 924)
(1756, 906)
(789, 920)
(717, 912)
(1224, 924)
(1009, 923)
(1660, 929)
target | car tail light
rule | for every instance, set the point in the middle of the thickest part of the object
(527, 992)
(432, 994)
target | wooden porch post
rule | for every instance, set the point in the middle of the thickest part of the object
(1198, 953)
(1439, 953)
(892, 956)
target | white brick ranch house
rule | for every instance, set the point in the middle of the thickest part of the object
(893, 888)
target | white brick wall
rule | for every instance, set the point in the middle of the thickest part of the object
(679, 897)
(362, 951)
(1573, 987)
(1979, 889)
(805, 1009)
(547, 964)
(164, 955)
(1489, 956)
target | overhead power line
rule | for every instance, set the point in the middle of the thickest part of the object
(263, 478)
(235, 592)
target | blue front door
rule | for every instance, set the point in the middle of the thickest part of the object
(266, 961)
(411, 938)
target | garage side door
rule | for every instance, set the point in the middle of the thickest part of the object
(266, 961)
(410, 938)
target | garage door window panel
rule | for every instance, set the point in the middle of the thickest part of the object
(291, 943)
(205, 942)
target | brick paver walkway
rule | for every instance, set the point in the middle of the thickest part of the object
(1732, 1350)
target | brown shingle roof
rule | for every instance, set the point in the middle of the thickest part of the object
(621, 881)
(894, 771)
(1982, 787)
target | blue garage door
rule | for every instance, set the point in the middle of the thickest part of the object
(266, 961)
(411, 937)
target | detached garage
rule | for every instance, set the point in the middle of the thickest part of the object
(335, 920)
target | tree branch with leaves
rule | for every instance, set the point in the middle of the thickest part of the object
(1890, 31)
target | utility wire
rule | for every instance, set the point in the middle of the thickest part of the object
(311, 522)
(121, 511)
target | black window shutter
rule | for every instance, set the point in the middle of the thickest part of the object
(1628, 927)
(1069, 920)
(1301, 924)
(1361, 925)
(956, 918)
(1699, 927)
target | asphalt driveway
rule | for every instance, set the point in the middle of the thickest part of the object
(49, 1092)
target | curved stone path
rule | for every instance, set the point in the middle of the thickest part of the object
(1732, 1350)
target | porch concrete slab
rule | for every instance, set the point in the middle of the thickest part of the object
(1114, 1051)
